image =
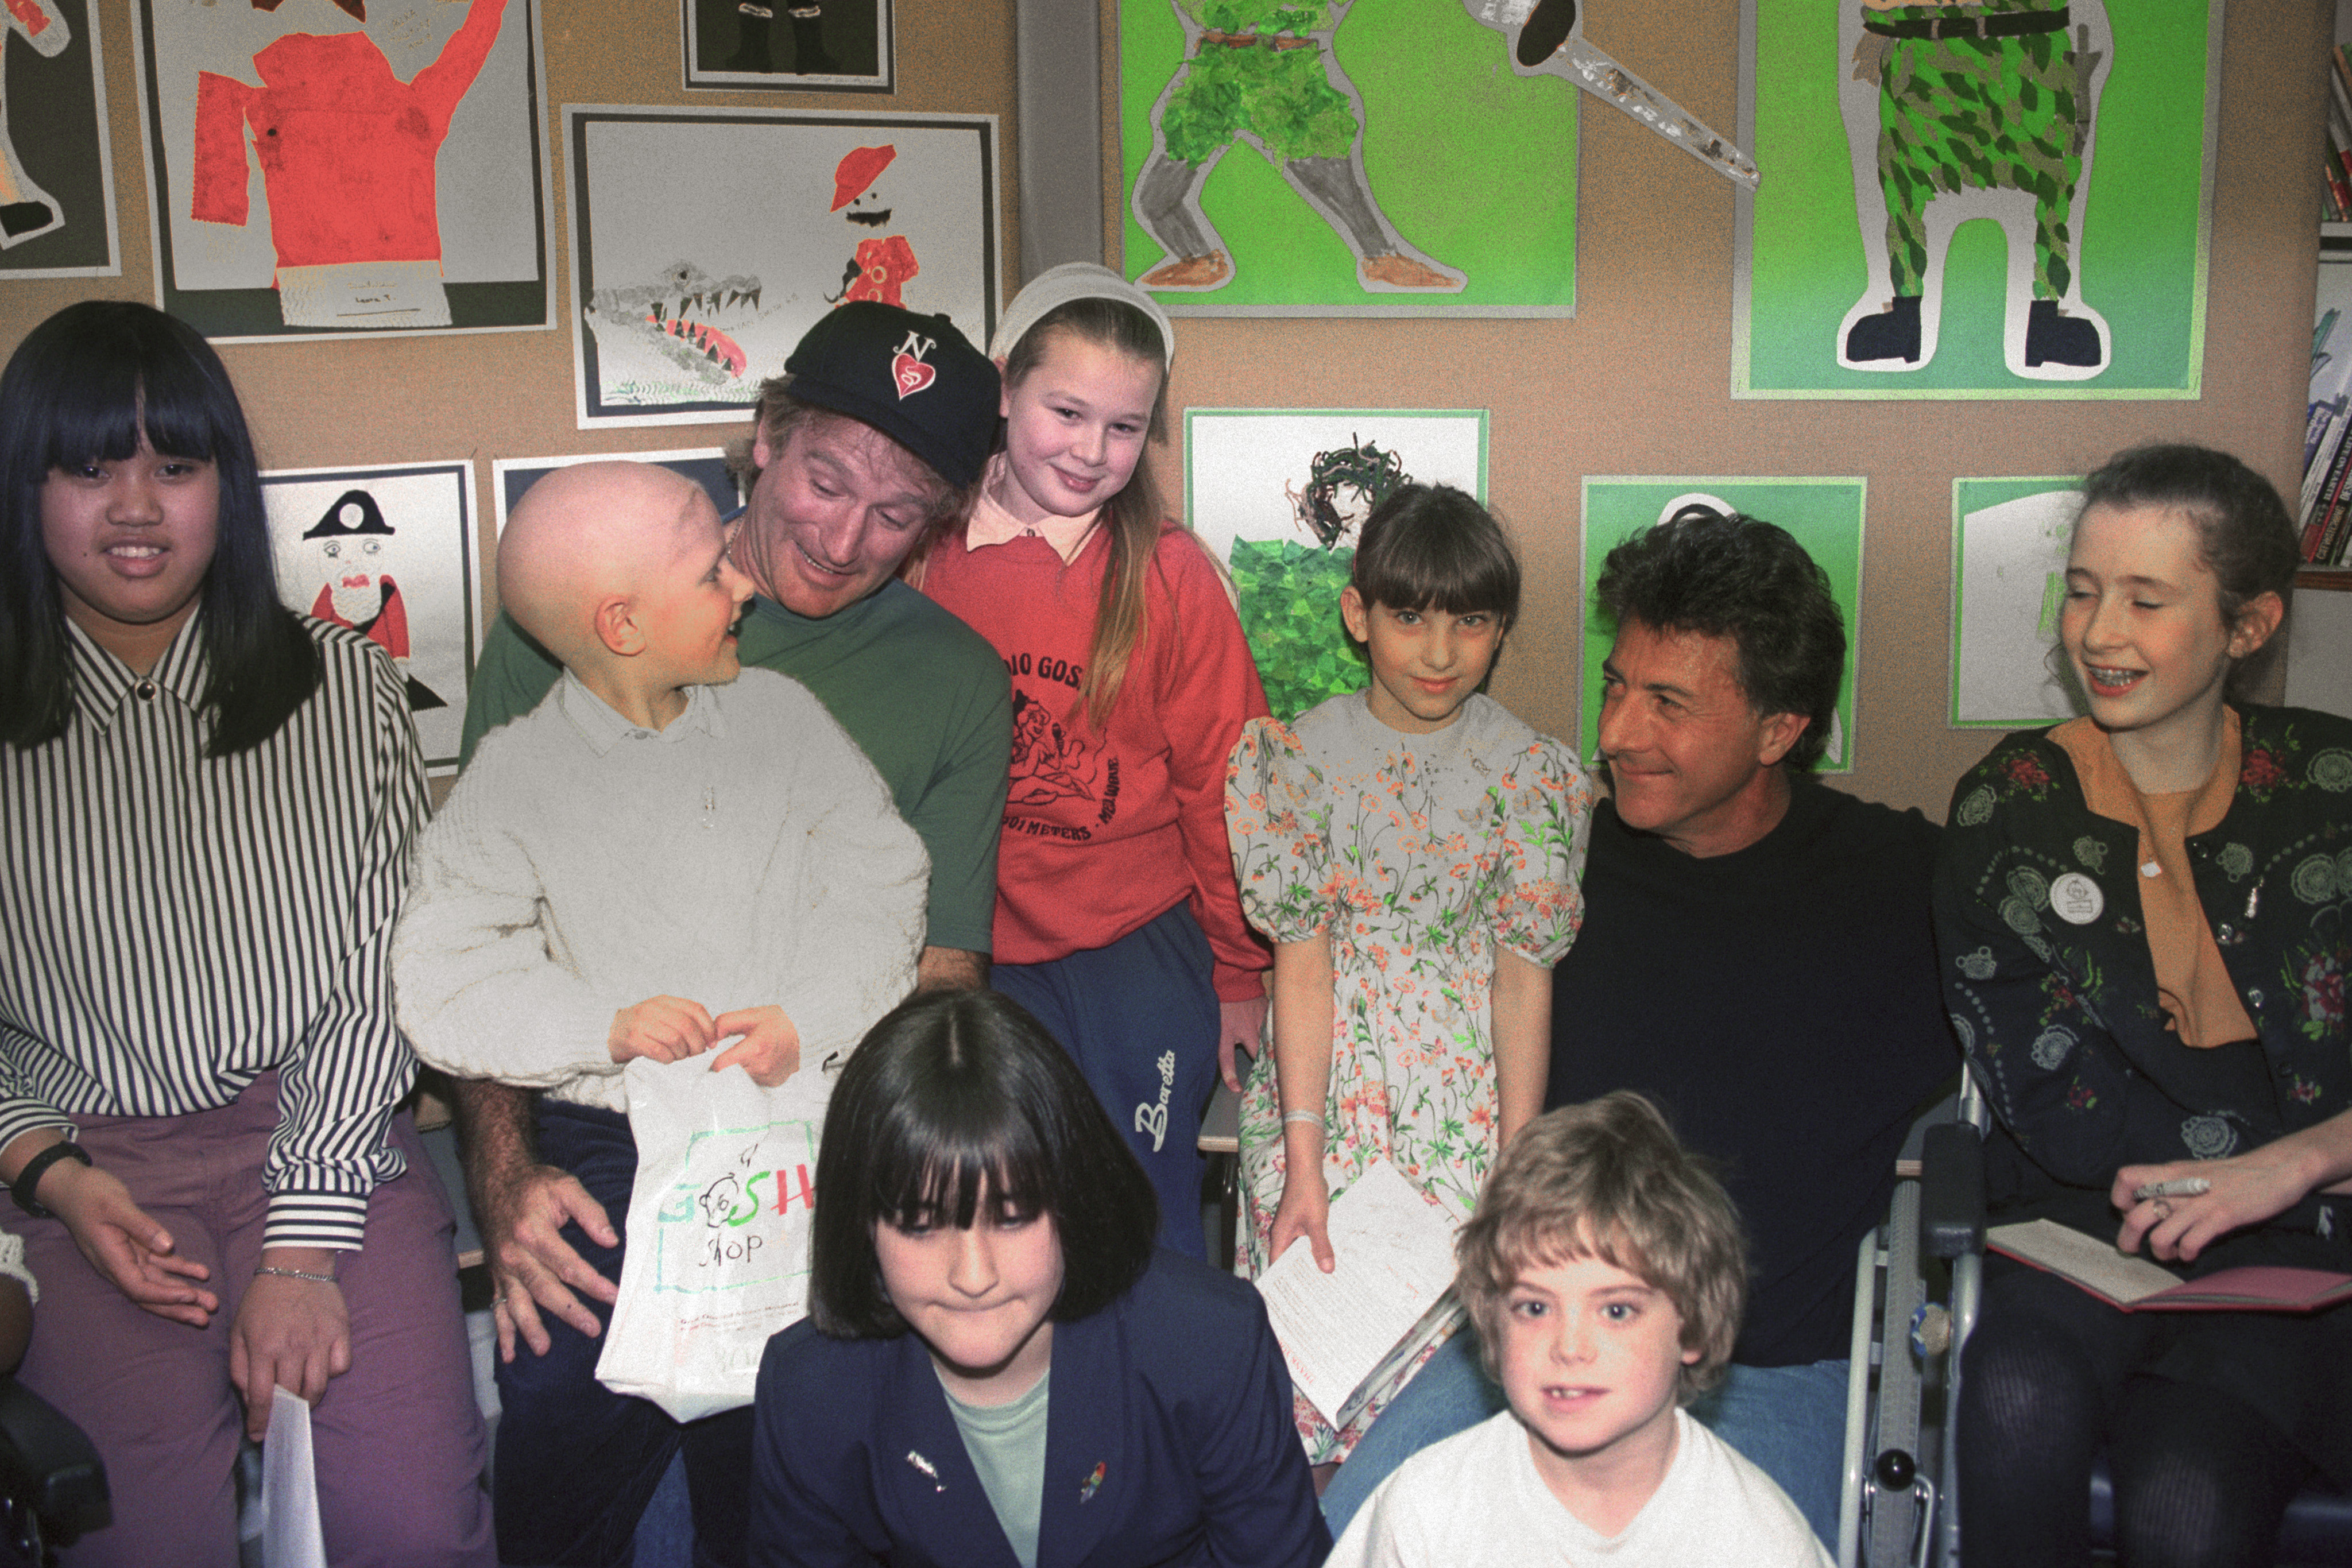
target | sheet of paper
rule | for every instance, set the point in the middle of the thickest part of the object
(291, 1536)
(1395, 1256)
(2008, 580)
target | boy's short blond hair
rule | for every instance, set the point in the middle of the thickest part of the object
(1608, 1179)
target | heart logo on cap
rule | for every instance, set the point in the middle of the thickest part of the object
(911, 374)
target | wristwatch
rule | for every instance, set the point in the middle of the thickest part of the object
(28, 1180)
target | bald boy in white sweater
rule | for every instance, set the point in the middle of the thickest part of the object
(670, 855)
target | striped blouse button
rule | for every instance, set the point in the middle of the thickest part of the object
(145, 691)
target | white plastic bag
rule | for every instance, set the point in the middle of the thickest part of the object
(718, 1253)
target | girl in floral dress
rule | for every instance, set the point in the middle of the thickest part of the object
(1412, 850)
(2146, 916)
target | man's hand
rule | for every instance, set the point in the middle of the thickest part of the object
(1240, 1025)
(290, 1333)
(126, 1245)
(951, 969)
(771, 1047)
(521, 1206)
(666, 1029)
(533, 1268)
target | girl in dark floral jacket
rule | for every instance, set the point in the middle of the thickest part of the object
(2146, 919)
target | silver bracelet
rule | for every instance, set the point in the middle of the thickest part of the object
(1314, 1116)
(294, 1274)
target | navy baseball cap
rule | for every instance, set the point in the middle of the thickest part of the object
(916, 378)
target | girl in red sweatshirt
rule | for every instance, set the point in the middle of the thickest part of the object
(1117, 919)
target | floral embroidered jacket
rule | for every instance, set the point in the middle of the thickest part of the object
(2046, 963)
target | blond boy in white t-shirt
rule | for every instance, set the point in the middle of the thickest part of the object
(1606, 1274)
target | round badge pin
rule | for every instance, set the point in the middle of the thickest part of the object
(2077, 899)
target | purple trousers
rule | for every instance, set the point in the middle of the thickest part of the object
(398, 1438)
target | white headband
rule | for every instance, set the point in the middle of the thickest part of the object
(1057, 286)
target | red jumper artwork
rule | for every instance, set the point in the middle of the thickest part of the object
(346, 153)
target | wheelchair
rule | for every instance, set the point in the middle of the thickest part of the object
(52, 1482)
(1918, 1282)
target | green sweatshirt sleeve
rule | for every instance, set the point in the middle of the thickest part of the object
(509, 678)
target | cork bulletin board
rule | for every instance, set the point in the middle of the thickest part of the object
(1638, 383)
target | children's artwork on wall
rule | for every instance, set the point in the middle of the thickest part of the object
(1823, 515)
(791, 46)
(687, 293)
(56, 164)
(1392, 161)
(347, 169)
(390, 552)
(706, 466)
(1276, 495)
(2082, 134)
(2009, 582)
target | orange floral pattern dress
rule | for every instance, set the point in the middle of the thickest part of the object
(1421, 853)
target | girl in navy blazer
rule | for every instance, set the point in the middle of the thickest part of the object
(998, 1368)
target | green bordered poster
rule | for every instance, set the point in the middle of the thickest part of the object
(1823, 515)
(1945, 214)
(2009, 581)
(1326, 158)
(1277, 494)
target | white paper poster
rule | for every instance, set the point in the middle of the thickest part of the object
(2008, 580)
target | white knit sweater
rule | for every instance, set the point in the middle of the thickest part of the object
(747, 855)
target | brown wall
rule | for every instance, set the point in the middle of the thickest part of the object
(1637, 383)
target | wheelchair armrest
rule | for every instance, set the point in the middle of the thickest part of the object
(47, 1465)
(1952, 1191)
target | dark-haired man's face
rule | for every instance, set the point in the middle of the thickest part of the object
(1689, 760)
(833, 513)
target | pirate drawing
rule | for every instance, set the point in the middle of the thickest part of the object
(356, 592)
(884, 264)
(1956, 111)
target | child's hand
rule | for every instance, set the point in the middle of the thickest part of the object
(1240, 1026)
(1304, 1210)
(771, 1047)
(666, 1029)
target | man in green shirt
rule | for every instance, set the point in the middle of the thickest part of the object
(879, 425)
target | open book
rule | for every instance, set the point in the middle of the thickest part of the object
(2137, 1285)
(1344, 1334)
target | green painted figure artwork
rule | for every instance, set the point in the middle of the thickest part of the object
(1265, 69)
(1393, 165)
(2081, 138)
(1285, 590)
(1278, 495)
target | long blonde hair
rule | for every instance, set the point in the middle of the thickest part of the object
(1133, 518)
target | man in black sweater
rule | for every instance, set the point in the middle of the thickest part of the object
(1756, 957)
